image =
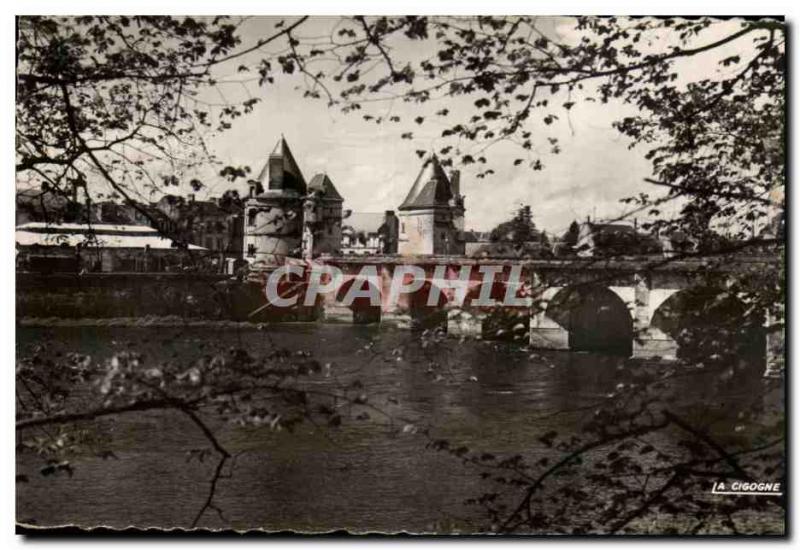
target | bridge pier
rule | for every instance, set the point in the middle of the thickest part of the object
(464, 323)
(546, 333)
(396, 317)
(336, 313)
(649, 341)
(652, 342)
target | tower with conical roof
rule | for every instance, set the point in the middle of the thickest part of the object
(432, 214)
(287, 217)
(274, 209)
(323, 216)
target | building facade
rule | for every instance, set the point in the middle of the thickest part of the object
(432, 214)
(74, 248)
(287, 217)
(370, 233)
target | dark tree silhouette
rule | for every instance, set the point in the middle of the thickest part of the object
(92, 90)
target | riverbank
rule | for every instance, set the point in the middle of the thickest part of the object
(145, 321)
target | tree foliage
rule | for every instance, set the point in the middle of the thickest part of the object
(116, 98)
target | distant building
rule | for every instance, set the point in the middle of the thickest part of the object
(475, 241)
(216, 226)
(287, 217)
(366, 233)
(432, 214)
(614, 239)
(119, 213)
(35, 205)
(73, 247)
(213, 224)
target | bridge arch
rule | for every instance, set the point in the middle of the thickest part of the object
(657, 298)
(709, 320)
(596, 318)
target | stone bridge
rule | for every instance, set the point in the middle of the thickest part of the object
(625, 305)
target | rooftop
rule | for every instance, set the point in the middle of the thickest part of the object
(292, 178)
(321, 182)
(100, 235)
(431, 188)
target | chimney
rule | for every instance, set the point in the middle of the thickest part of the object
(190, 196)
(455, 182)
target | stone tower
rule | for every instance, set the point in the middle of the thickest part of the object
(274, 209)
(322, 221)
(287, 217)
(432, 215)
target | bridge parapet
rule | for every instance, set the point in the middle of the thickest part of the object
(563, 300)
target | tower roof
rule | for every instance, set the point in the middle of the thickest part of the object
(292, 178)
(322, 183)
(431, 188)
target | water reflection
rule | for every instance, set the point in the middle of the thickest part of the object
(495, 396)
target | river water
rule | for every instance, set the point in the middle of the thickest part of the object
(365, 476)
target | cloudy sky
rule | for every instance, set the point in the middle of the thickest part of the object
(373, 168)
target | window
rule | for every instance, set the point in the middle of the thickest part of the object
(251, 217)
(403, 227)
(251, 251)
